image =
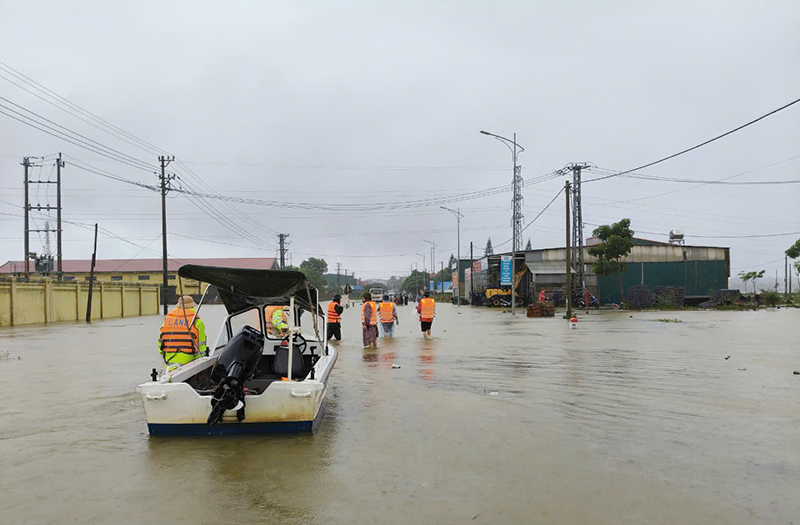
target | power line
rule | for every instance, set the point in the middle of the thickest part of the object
(642, 176)
(111, 152)
(5, 68)
(70, 140)
(537, 216)
(687, 150)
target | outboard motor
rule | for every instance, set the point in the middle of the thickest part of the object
(236, 364)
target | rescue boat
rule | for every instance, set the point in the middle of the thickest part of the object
(252, 380)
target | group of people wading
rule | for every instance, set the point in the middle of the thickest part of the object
(182, 337)
(384, 314)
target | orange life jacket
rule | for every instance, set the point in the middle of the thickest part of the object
(387, 312)
(427, 307)
(374, 318)
(175, 337)
(333, 317)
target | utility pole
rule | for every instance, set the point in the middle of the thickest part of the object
(282, 247)
(91, 279)
(26, 162)
(568, 287)
(59, 164)
(471, 277)
(786, 275)
(577, 227)
(164, 179)
(338, 270)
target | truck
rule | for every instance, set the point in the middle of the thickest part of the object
(377, 294)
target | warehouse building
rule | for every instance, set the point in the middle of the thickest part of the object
(699, 270)
(139, 271)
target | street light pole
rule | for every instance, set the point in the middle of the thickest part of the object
(458, 214)
(433, 262)
(516, 218)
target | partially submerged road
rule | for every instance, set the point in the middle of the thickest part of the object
(497, 420)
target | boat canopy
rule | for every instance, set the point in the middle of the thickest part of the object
(241, 288)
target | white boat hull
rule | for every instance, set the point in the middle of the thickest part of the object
(173, 407)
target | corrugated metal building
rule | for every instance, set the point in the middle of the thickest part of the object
(701, 270)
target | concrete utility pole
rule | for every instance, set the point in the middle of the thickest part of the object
(785, 275)
(26, 162)
(59, 164)
(516, 217)
(338, 271)
(282, 247)
(471, 277)
(568, 287)
(577, 227)
(165, 180)
(91, 279)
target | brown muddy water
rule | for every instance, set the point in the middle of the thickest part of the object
(497, 420)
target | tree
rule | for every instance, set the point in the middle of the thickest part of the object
(452, 263)
(314, 269)
(415, 282)
(794, 251)
(617, 244)
(528, 246)
(312, 263)
(488, 250)
(750, 276)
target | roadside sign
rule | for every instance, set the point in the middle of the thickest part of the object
(505, 270)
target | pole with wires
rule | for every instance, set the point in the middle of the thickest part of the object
(568, 285)
(26, 163)
(164, 180)
(59, 164)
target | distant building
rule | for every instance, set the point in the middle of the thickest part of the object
(139, 270)
(701, 270)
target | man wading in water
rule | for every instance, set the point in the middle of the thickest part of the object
(426, 308)
(369, 322)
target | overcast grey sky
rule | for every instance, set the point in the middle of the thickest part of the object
(360, 102)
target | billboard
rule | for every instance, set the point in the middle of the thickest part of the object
(505, 270)
(480, 265)
(454, 279)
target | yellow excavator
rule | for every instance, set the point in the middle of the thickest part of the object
(500, 297)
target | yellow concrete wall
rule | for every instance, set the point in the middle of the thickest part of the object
(47, 301)
(190, 286)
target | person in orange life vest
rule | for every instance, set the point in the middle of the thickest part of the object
(426, 308)
(388, 313)
(335, 318)
(369, 321)
(542, 296)
(275, 317)
(182, 338)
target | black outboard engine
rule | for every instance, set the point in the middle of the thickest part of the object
(236, 364)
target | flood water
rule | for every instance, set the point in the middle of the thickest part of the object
(497, 420)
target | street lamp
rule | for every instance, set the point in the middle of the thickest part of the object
(516, 218)
(458, 215)
(433, 262)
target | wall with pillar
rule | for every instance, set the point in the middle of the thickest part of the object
(49, 301)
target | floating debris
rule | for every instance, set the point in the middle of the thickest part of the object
(395, 365)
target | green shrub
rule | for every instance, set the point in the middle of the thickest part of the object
(771, 298)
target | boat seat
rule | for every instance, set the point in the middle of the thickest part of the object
(280, 365)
